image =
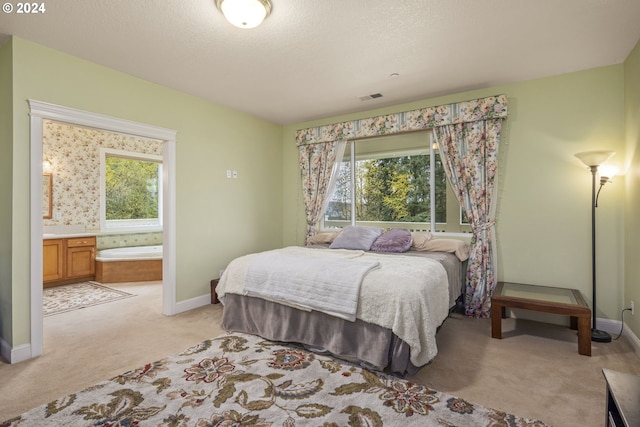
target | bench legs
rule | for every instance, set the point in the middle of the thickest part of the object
(497, 313)
(582, 324)
(584, 336)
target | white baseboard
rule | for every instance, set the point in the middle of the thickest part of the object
(192, 303)
(614, 326)
(5, 350)
(15, 354)
(632, 339)
(609, 325)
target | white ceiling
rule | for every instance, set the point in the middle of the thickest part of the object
(312, 59)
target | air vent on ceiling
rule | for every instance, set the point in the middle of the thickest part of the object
(372, 96)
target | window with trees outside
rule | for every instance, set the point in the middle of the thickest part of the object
(394, 181)
(131, 191)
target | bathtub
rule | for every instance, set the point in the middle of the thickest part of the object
(129, 253)
(129, 264)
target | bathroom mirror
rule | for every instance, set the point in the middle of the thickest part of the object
(47, 196)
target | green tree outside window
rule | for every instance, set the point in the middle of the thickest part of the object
(131, 190)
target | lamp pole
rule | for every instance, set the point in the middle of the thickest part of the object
(593, 159)
(596, 334)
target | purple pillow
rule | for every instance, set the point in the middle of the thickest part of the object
(356, 237)
(394, 240)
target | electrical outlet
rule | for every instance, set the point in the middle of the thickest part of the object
(632, 309)
(228, 173)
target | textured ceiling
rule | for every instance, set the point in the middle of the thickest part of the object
(315, 59)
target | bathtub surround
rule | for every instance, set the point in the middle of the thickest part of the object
(129, 264)
(62, 299)
(129, 271)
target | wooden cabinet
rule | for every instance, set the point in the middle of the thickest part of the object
(52, 260)
(81, 256)
(68, 260)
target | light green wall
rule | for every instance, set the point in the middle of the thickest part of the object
(6, 171)
(217, 218)
(632, 211)
(544, 214)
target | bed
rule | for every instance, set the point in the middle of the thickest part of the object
(401, 302)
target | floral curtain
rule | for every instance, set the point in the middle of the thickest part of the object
(319, 166)
(469, 152)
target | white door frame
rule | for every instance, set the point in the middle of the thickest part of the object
(40, 111)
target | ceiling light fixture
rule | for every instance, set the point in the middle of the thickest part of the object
(244, 13)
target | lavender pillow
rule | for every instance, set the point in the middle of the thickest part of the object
(354, 237)
(394, 240)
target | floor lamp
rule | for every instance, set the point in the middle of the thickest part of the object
(593, 159)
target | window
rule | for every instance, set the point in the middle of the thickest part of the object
(130, 191)
(396, 181)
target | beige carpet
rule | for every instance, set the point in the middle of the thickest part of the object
(244, 380)
(534, 372)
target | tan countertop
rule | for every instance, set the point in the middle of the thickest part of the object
(66, 236)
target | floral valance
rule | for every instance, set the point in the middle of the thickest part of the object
(491, 107)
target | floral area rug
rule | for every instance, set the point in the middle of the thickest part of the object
(243, 380)
(60, 299)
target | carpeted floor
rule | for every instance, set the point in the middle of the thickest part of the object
(534, 372)
(60, 299)
(240, 379)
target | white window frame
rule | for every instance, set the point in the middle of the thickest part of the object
(432, 225)
(128, 225)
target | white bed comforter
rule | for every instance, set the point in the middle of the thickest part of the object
(327, 284)
(408, 295)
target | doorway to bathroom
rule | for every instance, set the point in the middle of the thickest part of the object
(43, 116)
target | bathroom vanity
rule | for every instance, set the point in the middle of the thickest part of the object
(68, 260)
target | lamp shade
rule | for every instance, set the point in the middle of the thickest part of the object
(594, 158)
(244, 13)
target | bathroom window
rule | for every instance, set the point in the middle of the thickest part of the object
(130, 191)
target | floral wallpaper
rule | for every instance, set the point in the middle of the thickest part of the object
(73, 152)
